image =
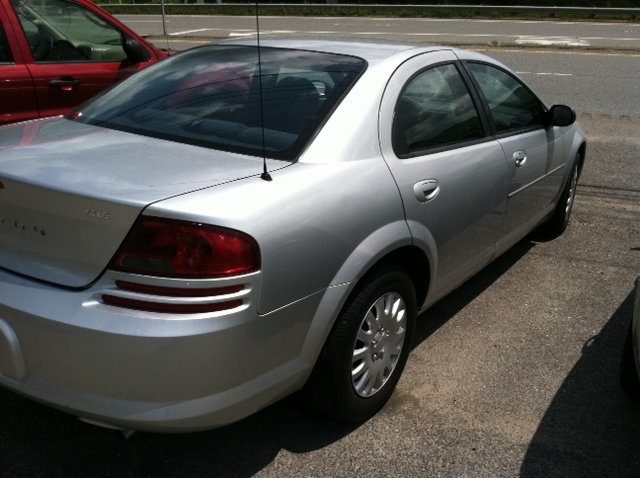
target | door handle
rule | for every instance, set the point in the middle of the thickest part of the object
(65, 84)
(520, 157)
(426, 190)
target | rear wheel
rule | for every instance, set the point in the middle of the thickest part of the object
(367, 350)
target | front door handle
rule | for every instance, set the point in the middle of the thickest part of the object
(520, 157)
(65, 84)
(426, 190)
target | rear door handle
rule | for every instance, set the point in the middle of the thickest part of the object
(426, 190)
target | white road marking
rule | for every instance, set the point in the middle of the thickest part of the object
(540, 40)
(543, 73)
(187, 32)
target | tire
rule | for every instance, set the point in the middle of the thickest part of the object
(559, 220)
(367, 349)
(629, 380)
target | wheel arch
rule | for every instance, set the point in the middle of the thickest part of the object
(407, 265)
(415, 263)
(405, 256)
(409, 258)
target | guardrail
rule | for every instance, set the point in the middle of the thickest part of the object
(333, 5)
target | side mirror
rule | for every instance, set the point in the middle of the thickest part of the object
(135, 51)
(561, 115)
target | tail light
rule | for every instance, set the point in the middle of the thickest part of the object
(179, 249)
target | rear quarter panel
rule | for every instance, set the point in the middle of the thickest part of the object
(310, 221)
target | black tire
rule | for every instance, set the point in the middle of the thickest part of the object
(628, 373)
(559, 220)
(367, 349)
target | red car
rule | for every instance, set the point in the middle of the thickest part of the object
(55, 54)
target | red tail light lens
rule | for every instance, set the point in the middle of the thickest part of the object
(168, 248)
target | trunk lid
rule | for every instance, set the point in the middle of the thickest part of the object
(69, 192)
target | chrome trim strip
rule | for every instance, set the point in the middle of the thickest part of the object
(536, 181)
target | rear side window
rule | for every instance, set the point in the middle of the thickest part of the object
(220, 97)
(61, 31)
(513, 107)
(434, 110)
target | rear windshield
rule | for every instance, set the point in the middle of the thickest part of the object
(266, 101)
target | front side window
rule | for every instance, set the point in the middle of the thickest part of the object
(220, 97)
(435, 110)
(513, 107)
(62, 31)
(5, 52)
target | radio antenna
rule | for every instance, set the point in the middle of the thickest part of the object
(265, 173)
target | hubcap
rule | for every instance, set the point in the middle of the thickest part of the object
(378, 344)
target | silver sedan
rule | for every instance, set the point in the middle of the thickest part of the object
(243, 221)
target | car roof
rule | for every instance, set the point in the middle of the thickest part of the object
(372, 51)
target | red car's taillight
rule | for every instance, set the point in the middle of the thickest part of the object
(169, 248)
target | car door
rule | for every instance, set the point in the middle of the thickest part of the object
(532, 149)
(451, 174)
(18, 94)
(73, 52)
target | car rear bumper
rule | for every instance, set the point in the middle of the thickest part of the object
(149, 371)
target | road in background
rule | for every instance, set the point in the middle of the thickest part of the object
(194, 29)
(595, 83)
(602, 57)
(515, 374)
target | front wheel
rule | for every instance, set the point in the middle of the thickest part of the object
(559, 220)
(367, 350)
